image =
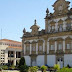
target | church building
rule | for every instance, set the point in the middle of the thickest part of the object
(53, 44)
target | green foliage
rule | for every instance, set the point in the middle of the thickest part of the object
(22, 65)
(44, 68)
(0, 67)
(5, 67)
(22, 61)
(12, 67)
(65, 70)
(23, 68)
(33, 69)
(57, 66)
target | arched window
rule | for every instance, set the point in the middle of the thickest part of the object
(68, 46)
(52, 47)
(60, 25)
(60, 46)
(40, 48)
(33, 48)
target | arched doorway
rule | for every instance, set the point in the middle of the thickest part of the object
(33, 60)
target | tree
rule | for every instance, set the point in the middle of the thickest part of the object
(43, 68)
(22, 61)
(22, 65)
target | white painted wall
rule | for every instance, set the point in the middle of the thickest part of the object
(51, 60)
(6, 56)
(68, 59)
(40, 60)
(28, 60)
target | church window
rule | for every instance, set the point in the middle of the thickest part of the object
(40, 48)
(33, 48)
(60, 27)
(52, 47)
(52, 28)
(27, 48)
(68, 26)
(59, 46)
(68, 46)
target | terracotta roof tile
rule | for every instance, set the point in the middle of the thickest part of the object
(10, 41)
(15, 47)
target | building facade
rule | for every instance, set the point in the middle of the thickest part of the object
(53, 44)
(10, 52)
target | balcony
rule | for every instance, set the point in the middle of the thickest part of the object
(51, 51)
(68, 51)
(40, 52)
(27, 52)
(59, 52)
(33, 52)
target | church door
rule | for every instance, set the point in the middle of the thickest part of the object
(33, 61)
(60, 61)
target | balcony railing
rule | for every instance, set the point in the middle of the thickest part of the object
(51, 51)
(67, 51)
(59, 52)
(27, 52)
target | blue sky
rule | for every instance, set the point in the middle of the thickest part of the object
(15, 15)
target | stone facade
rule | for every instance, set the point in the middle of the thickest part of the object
(54, 44)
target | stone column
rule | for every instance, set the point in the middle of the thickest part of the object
(30, 48)
(44, 46)
(64, 46)
(15, 58)
(6, 56)
(48, 47)
(36, 48)
(24, 49)
(55, 46)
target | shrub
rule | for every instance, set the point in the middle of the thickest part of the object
(22, 61)
(5, 67)
(33, 69)
(57, 66)
(43, 68)
(0, 68)
(22, 65)
(65, 70)
(12, 67)
(23, 68)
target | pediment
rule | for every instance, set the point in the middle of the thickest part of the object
(68, 19)
(61, 7)
(59, 39)
(59, 1)
(52, 22)
(27, 42)
(68, 38)
(60, 21)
